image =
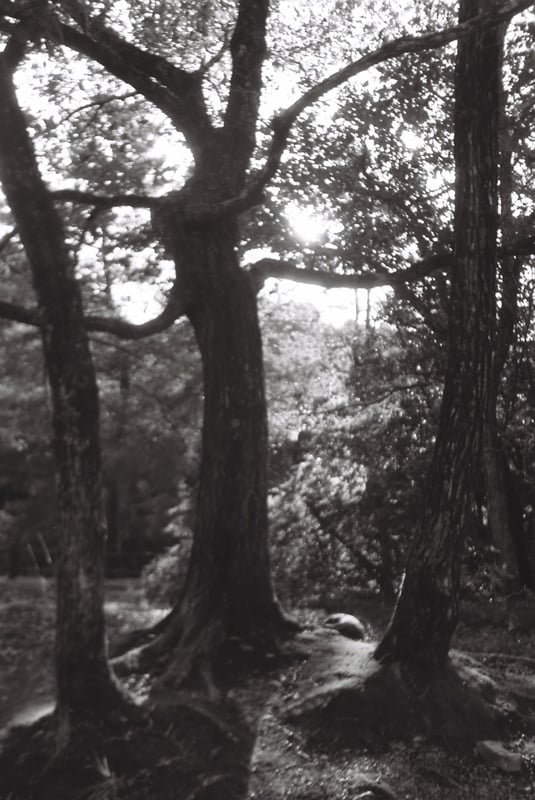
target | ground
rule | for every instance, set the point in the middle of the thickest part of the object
(306, 744)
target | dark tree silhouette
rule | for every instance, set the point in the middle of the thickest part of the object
(427, 607)
(82, 671)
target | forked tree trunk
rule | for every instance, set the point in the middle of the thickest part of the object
(83, 676)
(426, 611)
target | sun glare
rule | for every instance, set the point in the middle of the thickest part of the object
(307, 226)
(411, 140)
(137, 303)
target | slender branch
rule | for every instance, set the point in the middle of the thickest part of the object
(329, 527)
(103, 202)
(402, 46)
(283, 122)
(396, 389)
(100, 103)
(176, 92)
(217, 57)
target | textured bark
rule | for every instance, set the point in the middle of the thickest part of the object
(228, 592)
(504, 514)
(228, 588)
(426, 611)
(83, 675)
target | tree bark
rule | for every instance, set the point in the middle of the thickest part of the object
(228, 591)
(426, 612)
(504, 515)
(83, 676)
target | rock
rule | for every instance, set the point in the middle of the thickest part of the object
(495, 754)
(347, 625)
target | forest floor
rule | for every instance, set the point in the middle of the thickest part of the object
(288, 759)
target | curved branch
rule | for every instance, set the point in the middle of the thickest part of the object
(402, 46)
(266, 268)
(283, 122)
(98, 324)
(177, 93)
(129, 330)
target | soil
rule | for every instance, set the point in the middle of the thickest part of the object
(298, 731)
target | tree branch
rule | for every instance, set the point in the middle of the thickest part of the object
(129, 330)
(16, 313)
(98, 324)
(174, 91)
(283, 122)
(248, 49)
(104, 202)
(266, 268)
(100, 103)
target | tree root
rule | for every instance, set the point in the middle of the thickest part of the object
(208, 783)
(221, 714)
(148, 657)
(137, 639)
(184, 643)
(484, 656)
(379, 702)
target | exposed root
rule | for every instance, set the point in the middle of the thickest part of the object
(185, 747)
(148, 657)
(196, 651)
(223, 715)
(512, 657)
(370, 703)
(208, 783)
(113, 710)
(136, 639)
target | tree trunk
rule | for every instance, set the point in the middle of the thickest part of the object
(505, 521)
(83, 676)
(501, 513)
(426, 611)
(229, 591)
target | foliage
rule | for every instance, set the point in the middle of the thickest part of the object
(164, 577)
(348, 479)
(150, 433)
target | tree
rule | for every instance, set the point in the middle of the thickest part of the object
(228, 591)
(82, 671)
(426, 613)
(505, 507)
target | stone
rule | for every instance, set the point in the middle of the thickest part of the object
(495, 754)
(347, 625)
